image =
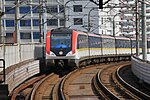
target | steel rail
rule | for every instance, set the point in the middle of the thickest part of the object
(130, 87)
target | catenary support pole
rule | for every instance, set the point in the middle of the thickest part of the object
(137, 28)
(144, 36)
(17, 27)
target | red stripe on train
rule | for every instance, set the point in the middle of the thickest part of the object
(48, 42)
(74, 41)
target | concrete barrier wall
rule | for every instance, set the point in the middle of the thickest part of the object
(20, 57)
(141, 69)
(14, 53)
(10, 54)
(27, 52)
(20, 74)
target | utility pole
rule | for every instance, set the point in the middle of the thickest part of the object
(41, 11)
(40, 20)
(137, 27)
(2, 38)
(144, 35)
(45, 20)
(16, 21)
(17, 27)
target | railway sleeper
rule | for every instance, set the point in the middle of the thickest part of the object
(118, 87)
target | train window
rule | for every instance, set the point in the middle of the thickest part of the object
(108, 43)
(82, 41)
(95, 42)
(61, 40)
(123, 43)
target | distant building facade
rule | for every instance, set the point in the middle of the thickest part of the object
(82, 15)
(28, 26)
(77, 14)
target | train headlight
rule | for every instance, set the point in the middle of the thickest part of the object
(60, 52)
(52, 54)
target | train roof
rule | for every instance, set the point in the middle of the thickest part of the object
(122, 38)
(106, 36)
(62, 30)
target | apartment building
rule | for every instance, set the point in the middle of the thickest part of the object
(28, 18)
(83, 15)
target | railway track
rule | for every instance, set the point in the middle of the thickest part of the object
(131, 82)
(23, 91)
(94, 82)
(110, 86)
(79, 84)
(45, 89)
(39, 87)
(113, 86)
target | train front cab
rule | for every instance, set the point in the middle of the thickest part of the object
(61, 48)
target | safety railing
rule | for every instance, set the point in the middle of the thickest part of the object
(2, 71)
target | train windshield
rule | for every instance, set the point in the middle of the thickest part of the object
(60, 40)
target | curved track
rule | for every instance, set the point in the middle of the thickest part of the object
(79, 84)
(94, 82)
(45, 89)
(110, 86)
(126, 78)
(97, 82)
(114, 87)
(24, 89)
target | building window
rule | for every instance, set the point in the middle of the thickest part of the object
(9, 10)
(9, 23)
(25, 23)
(25, 35)
(36, 22)
(24, 9)
(62, 22)
(52, 9)
(36, 35)
(77, 8)
(52, 22)
(35, 9)
(148, 29)
(78, 21)
(9, 35)
(61, 8)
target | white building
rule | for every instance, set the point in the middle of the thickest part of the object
(85, 15)
(28, 26)
(82, 15)
(109, 16)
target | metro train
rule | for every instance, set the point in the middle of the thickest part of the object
(69, 47)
